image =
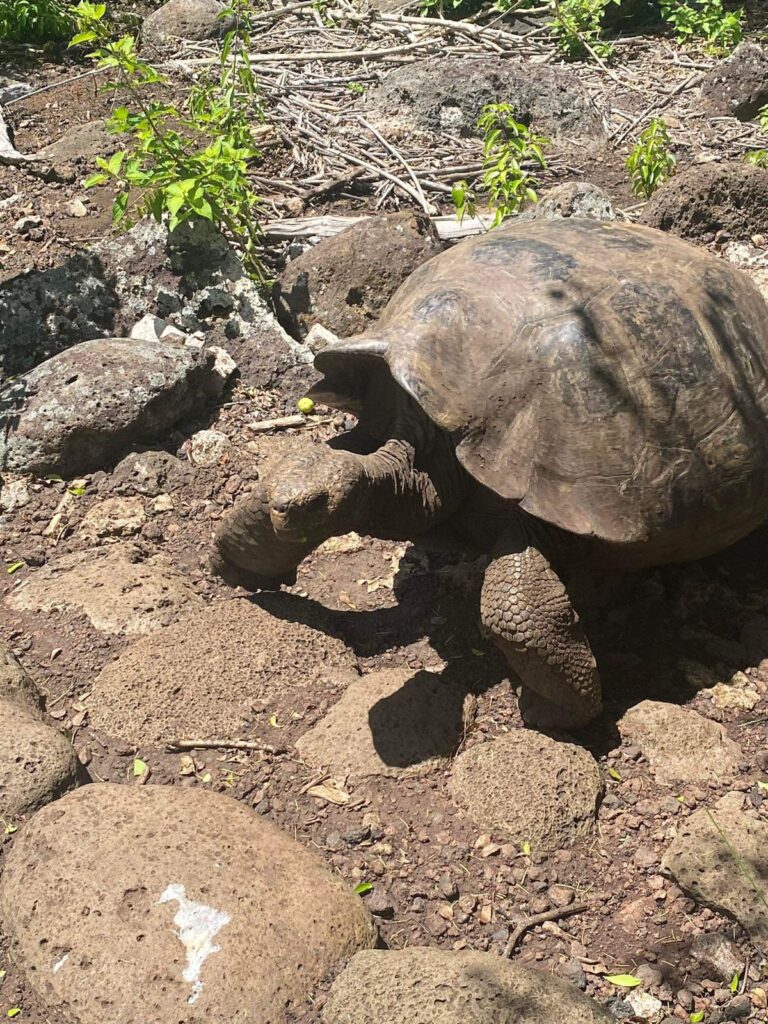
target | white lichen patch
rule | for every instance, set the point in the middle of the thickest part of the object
(198, 924)
(60, 963)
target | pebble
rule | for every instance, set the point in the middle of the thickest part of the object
(380, 903)
(560, 895)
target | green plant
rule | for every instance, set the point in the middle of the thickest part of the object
(704, 19)
(189, 161)
(758, 157)
(33, 21)
(650, 163)
(463, 200)
(576, 28)
(507, 145)
(762, 118)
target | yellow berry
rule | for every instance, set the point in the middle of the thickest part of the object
(305, 405)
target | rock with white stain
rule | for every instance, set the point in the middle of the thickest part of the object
(117, 590)
(680, 745)
(391, 723)
(125, 904)
(720, 858)
(206, 447)
(153, 328)
(37, 762)
(112, 519)
(644, 1004)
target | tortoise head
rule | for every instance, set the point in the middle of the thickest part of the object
(311, 495)
(304, 500)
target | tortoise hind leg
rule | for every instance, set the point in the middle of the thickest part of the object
(526, 609)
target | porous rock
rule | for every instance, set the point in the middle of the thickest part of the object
(738, 86)
(680, 745)
(111, 519)
(702, 200)
(390, 723)
(82, 409)
(434, 986)
(719, 954)
(572, 199)
(206, 447)
(118, 591)
(527, 787)
(449, 93)
(224, 660)
(150, 473)
(720, 858)
(37, 763)
(16, 685)
(190, 277)
(186, 19)
(345, 281)
(156, 903)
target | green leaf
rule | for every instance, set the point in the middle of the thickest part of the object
(14, 567)
(82, 37)
(734, 982)
(363, 888)
(695, 1018)
(614, 774)
(624, 980)
(76, 492)
(13, 1012)
(139, 767)
(115, 162)
(95, 179)
(526, 848)
(119, 207)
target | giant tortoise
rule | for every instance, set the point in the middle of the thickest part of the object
(566, 395)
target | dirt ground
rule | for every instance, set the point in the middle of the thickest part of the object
(399, 605)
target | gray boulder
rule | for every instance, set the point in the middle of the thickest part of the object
(738, 86)
(345, 281)
(702, 200)
(84, 408)
(449, 93)
(190, 277)
(186, 19)
(433, 986)
(572, 199)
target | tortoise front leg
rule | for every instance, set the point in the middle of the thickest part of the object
(526, 609)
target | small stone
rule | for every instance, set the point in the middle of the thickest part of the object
(645, 857)
(14, 495)
(380, 903)
(111, 519)
(741, 1006)
(24, 225)
(153, 328)
(163, 503)
(448, 887)
(718, 953)
(650, 976)
(574, 972)
(560, 895)
(643, 1003)
(207, 447)
(77, 208)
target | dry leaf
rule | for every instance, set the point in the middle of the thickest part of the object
(330, 791)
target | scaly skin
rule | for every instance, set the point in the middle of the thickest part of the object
(527, 611)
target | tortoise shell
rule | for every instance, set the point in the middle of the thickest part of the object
(610, 378)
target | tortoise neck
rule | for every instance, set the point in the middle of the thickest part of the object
(404, 492)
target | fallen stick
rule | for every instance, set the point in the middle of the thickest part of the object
(286, 422)
(531, 922)
(177, 746)
(448, 227)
